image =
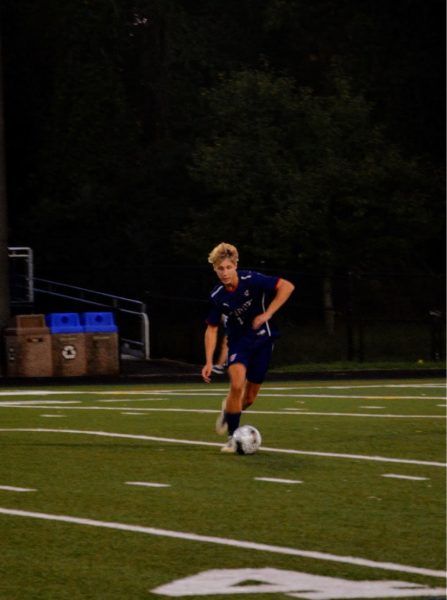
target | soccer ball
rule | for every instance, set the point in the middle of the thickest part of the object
(247, 439)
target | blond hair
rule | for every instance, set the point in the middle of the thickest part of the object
(223, 251)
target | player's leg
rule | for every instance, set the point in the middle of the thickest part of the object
(233, 404)
(250, 394)
(256, 372)
(237, 373)
(237, 368)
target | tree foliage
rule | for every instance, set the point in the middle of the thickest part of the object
(141, 132)
(305, 179)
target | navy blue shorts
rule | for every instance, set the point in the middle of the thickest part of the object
(256, 358)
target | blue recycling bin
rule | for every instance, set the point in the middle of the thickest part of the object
(98, 322)
(68, 344)
(64, 323)
(101, 338)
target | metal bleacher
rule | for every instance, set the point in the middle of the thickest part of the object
(28, 293)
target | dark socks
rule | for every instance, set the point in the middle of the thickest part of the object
(232, 420)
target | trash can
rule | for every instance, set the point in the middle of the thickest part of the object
(101, 340)
(68, 344)
(28, 347)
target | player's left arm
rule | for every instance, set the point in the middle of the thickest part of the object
(284, 289)
(210, 346)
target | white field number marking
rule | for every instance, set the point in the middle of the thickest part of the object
(292, 583)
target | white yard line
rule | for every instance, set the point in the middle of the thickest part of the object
(292, 411)
(422, 386)
(356, 457)
(241, 544)
(341, 397)
(214, 444)
(202, 393)
(215, 388)
(265, 394)
(267, 387)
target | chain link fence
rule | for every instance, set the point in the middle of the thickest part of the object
(353, 316)
(349, 316)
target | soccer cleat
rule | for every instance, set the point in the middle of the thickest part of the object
(229, 447)
(221, 423)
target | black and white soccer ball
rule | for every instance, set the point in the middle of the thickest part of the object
(247, 439)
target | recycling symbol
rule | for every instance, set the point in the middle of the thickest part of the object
(69, 352)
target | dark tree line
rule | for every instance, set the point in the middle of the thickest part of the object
(140, 133)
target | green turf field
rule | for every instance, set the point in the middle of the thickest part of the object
(121, 493)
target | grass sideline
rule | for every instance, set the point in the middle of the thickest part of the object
(358, 461)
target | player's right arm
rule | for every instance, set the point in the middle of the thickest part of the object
(210, 347)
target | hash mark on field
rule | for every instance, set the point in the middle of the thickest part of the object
(148, 484)
(132, 400)
(54, 416)
(275, 480)
(10, 488)
(392, 475)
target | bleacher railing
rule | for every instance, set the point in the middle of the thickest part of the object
(138, 344)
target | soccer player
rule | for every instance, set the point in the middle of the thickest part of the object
(249, 300)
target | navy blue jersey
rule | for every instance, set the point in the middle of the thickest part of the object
(252, 296)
